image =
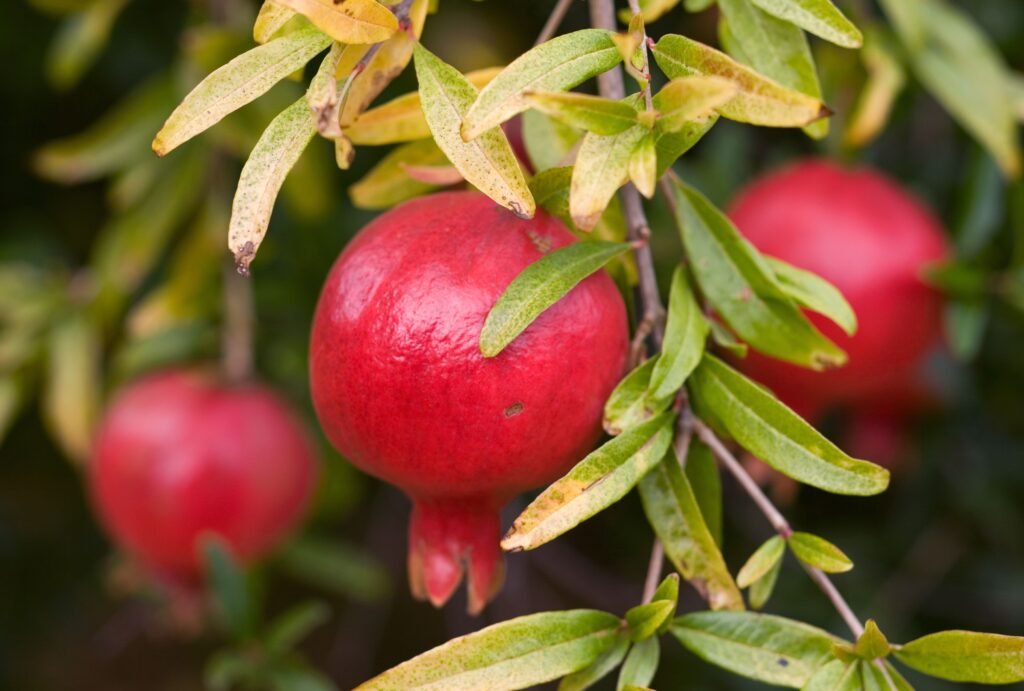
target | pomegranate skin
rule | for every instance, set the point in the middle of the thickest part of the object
(402, 390)
(180, 455)
(871, 239)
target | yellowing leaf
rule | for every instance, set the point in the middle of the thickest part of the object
(602, 167)
(886, 78)
(592, 113)
(401, 119)
(819, 17)
(643, 165)
(686, 99)
(271, 18)
(650, 10)
(760, 100)
(388, 183)
(242, 80)
(349, 21)
(487, 162)
(71, 399)
(557, 65)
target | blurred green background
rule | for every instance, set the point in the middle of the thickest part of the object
(944, 548)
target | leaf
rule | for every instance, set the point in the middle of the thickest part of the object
(80, 40)
(967, 656)
(757, 646)
(724, 339)
(226, 669)
(591, 193)
(886, 79)
(119, 138)
(965, 323)
(237, 83)
(548, 141)
(761, 590)
(759, 101)
(271, 18)
(388, 183)
(434, 175)
(675, 516)
(348, 21)
(647, 619)
(631, 403)
(761, 561)
(742, 287)
(668, 590)
(760, 423)
(686, 99)
(556, 65)
(74, 386)
(487, 162)
(815, 293)
(599, 668)
(514, 654)
(702, 472)
(819, 552)
(685, 333)
(228, 587)
(401, 119)
(672, 145)
(291, 675)
(872, 644)
(592, 113)
(641, 664)
(819, 17)
(774, 48)
(539, 286)
(277, 150)
(643, 165)
(594, 484)
(335, 567)
(836, 676)
(290, 628)
(650, 10)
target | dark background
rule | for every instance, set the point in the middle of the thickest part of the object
(942, 549)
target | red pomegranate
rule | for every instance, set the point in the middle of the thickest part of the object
(402, 390)
(180, 454)
(870, 239)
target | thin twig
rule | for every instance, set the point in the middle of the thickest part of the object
(634, 7)
(553, 22)
(237, 329)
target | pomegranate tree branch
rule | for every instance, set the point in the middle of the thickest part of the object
(553, 22)
(237, 328)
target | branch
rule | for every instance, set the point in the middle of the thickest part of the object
(553, 22)
(237, 328)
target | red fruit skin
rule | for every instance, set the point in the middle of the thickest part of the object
(402, 390)
(180, 455)
(870, 239)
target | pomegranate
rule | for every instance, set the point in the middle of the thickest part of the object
(402, 390)
(871, 239)
(180, 455)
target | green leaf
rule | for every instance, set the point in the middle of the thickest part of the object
(228, 587)
(641, 664)
(899, 683)
(836, 676)
(226, 669)
(631, 403)
(643, 165)
(686, 99)
(761, 590)
(352, 21)
(758, 646)
(741, 286)
(557, 65)
(815, 293)
(488, 161)
(295, 624)
(335, 567)
(594, 484)
(819, 17)
(599, 668)
(872, 644)
(291, 675)
(819, 552)
(685, 334)
(965, 324)
(885, 82)
(237, 83)
(671, 145)
(591, 193)
(514, 654)
(548, 141)
(759, 101)
(778, 436)
(278, 149)
(539, 286)
(648, 619)
(702, 472)
(725, 339)
(80, 40)
(676, 518)
(592, 113)
(74, 384)
(967, 656)
(761, 561)
(388, 183)
(774, 48)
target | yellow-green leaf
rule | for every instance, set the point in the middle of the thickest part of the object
(967, 656)
(71, 398)
(348, 21)
(602, 167)
(632, 401)
(271, 18)
(79, 41)
(819, 17)
(819, 552)
(599, 668)
(686, 330)
(886, 79)
(872, 644)
(640, 666)
(761, 561)
(686, 99)
(388, 183)
(592, 113)
(815, 293)
(643, 165)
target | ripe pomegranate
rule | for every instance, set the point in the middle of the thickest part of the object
(180, 454)
(402, 390)
(871, 239)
